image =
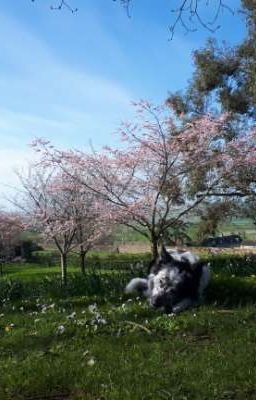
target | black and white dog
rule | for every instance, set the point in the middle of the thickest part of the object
(176, 281)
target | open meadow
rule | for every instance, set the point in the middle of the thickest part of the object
(91, 341)
(128, 200)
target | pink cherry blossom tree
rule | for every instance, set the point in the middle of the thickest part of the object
(63, 211)
(145, 184)
(91, 221)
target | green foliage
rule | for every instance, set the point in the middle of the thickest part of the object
(211, 217)
(93, 260)
(224, 79)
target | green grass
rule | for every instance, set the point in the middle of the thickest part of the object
(122, 349)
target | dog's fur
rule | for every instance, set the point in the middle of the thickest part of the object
(175, 282)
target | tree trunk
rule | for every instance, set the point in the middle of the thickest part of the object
(64, 269)
(82, 259)
(154, 248)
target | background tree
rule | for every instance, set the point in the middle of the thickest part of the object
(145, 185)
(211, 216)
(224, 79)
(11, 227)
(90, 217)
(55, 206)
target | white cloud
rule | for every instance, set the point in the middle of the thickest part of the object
(35, 81)
(42, 96)
(11, 160)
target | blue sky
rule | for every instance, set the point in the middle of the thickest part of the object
(71, 77)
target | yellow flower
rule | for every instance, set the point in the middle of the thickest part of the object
(8, 328)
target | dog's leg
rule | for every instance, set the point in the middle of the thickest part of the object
(182, 305)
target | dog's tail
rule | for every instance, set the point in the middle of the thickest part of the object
(137, 285)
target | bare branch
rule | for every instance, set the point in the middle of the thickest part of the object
(64, 4)
(188, 15)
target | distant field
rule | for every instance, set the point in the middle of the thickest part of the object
(128, 240)
(241, 226)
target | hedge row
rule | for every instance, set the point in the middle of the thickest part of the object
(94, 260)
(228, 263)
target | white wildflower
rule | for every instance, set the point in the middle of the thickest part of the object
(61, 329)
(92, 308)
(91, 362)
(71, 316)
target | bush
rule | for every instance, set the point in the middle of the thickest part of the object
(95, 260)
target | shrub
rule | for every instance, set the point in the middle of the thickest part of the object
(95, 260)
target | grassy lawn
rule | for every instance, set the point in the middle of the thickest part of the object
(93, 342)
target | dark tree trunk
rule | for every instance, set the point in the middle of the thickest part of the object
(63, 269)
(154, 248)
(82, 259)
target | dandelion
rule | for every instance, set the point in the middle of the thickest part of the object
(9, 327)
